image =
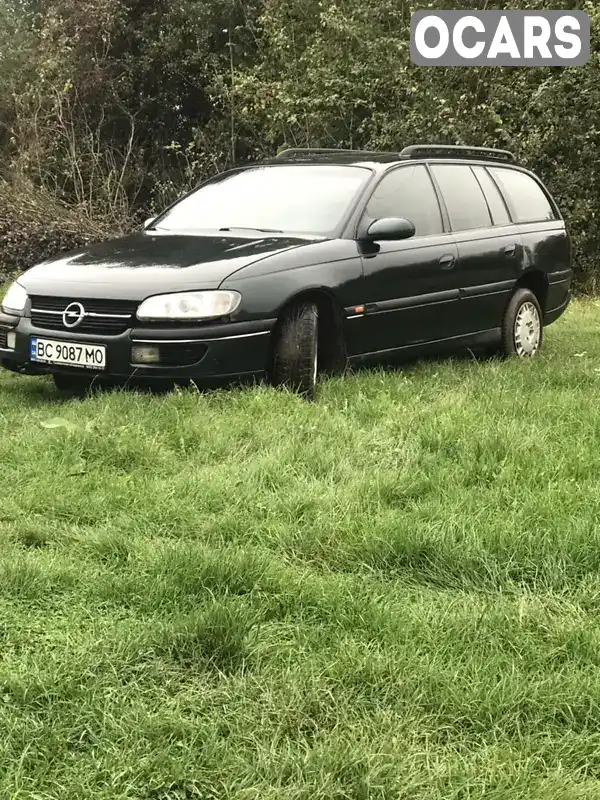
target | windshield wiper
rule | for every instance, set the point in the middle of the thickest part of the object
(242, 228)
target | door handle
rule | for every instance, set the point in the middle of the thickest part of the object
(510, 250)
(447, 261)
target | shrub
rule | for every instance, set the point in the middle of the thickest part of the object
(34, 225)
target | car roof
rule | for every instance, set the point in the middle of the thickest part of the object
(382, 159)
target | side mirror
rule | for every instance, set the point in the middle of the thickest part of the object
(390, 228)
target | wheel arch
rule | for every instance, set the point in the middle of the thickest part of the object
(536, 281)
(332, 343)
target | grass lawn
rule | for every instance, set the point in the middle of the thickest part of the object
(393, 592)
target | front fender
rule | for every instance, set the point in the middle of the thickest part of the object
(265, 295)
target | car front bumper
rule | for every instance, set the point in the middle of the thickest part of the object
(204, 354)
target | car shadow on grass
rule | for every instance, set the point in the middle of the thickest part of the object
(150, 387)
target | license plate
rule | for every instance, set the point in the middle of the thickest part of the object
(69, 354)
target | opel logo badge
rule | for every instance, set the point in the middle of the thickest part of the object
(73, 315)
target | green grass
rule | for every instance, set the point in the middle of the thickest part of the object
(390, 593)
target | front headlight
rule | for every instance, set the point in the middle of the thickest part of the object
(189, 305)
(15, 299)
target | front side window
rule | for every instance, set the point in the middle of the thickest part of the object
(527, 197)
(408, 192)
(462, 194)
(287, 199)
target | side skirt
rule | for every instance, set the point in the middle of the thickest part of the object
(481, 339)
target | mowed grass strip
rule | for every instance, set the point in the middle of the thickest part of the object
(390, 593)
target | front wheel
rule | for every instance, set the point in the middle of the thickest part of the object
(294, 362)
(522, 328)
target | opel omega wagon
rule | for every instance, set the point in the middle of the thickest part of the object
(302, 265)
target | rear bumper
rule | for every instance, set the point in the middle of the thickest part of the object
(554, 313)
(204, 354)
(559, 295)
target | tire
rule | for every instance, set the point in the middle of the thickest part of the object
(295, 351)
(72, 384)
(522, 327)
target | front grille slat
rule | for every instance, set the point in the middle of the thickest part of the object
(99, 306)
(3, 338)
(110, 317)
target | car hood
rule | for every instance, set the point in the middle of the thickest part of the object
(146, 263)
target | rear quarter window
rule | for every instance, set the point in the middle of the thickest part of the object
(526, 197)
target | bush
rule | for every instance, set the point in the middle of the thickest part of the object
(34, 225)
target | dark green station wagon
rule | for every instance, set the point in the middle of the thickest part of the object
(300, 265)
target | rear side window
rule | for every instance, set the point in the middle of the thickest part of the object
(463, 196)
(492, 194)
(408, 192)
(528, 200)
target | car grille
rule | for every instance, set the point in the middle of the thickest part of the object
(107, 317)
(3, 339)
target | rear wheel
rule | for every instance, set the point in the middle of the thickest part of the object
(522, 329)
(295, 351)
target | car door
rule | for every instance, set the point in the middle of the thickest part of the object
(409, 286)
(546, 244)
(490, 247)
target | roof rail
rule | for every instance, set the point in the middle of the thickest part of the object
(456, 151)
(311, 152)
(410, 152)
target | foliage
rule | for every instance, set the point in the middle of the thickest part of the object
(115, 107)
(35, 225)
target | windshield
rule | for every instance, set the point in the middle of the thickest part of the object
(290, 199)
